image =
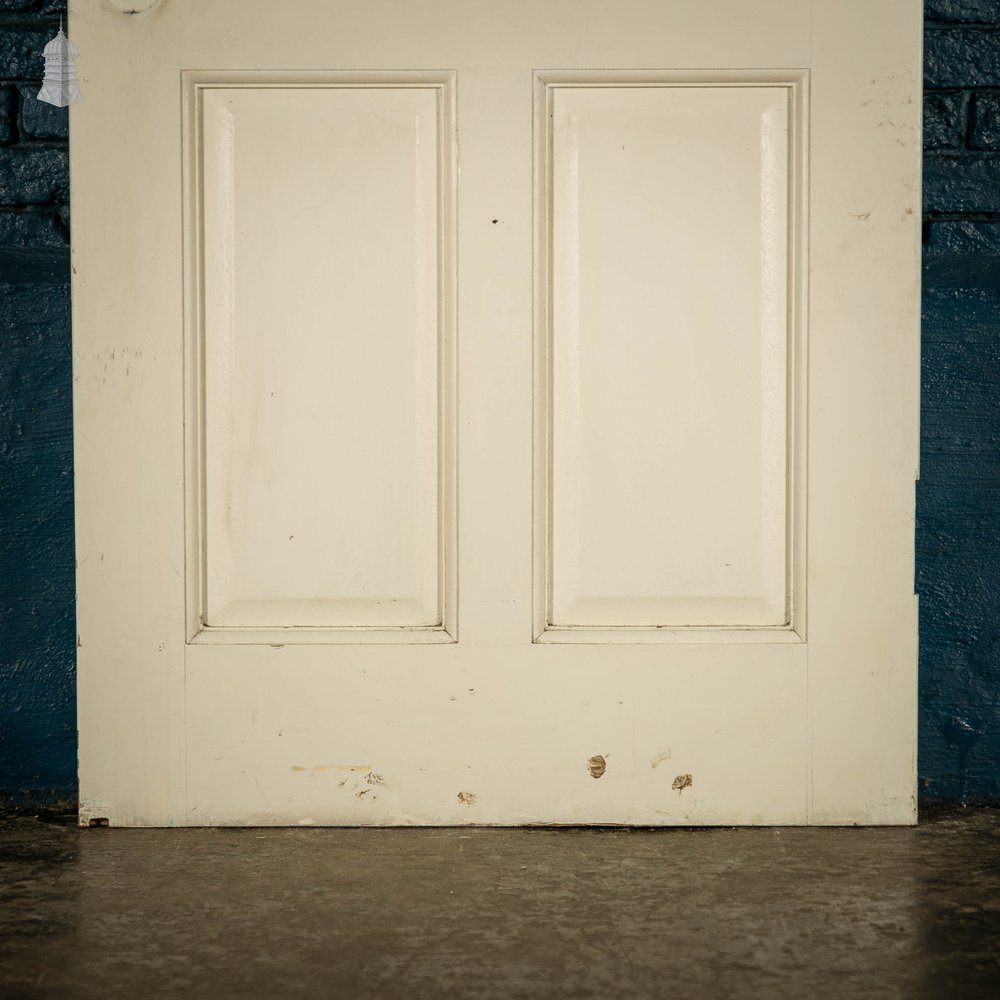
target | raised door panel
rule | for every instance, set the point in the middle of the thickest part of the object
(320, 348)
(672, 343)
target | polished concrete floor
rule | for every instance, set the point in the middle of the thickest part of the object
(486, 913)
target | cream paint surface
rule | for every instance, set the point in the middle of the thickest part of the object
(338, 372)
(317, 701)
(669, 416)
(537, 745)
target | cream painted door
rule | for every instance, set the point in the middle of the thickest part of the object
(496, 412)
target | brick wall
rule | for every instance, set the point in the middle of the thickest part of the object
(34, 183)
(37, 627)
(958, 536)
(958, 499)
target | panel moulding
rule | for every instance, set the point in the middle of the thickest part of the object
(309, 621)
(552, 621)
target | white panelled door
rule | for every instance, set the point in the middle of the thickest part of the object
(496, 412)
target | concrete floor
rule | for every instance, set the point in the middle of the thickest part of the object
(485, 913)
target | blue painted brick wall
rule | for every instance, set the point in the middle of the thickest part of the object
(37, 615)
(958, 500)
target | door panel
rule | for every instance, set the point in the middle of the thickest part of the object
(570, 505)
(672, 202)
(322, 419)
